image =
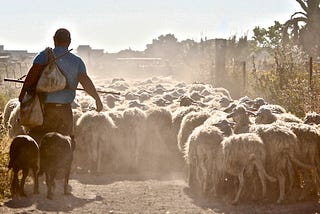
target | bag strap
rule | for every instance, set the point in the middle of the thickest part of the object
(51, 56)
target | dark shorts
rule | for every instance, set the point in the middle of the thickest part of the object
(57, 118)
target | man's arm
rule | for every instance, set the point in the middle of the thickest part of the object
(88, 86)
(31, 79)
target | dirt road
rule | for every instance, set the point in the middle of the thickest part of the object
(135, 194)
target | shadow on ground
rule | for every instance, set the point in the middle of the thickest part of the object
(223, 205)
(60, 202)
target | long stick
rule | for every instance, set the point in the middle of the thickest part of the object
(80, 89)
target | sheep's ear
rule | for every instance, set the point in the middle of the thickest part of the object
(230, 115)
(251, 113)
(232, 124)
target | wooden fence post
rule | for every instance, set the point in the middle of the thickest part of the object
(244, 77)
(310, 73)
(220, 61)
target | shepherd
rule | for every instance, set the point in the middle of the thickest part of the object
(57, 112)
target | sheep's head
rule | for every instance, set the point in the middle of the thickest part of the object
(312, 118)
(265, 116)
(185, 101)
(240, 114)
(258, 102)
(225, 126)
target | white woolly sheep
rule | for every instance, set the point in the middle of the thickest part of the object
(277, 109)
(134, 120)
(111, 100)
(93, 133)
(188, 124)
(14, 126)
(309, 139)
(198, 153)
(265, 116)
(281, 144)
(11, 104)
(238, 153)
(219, 120)
(159, 148)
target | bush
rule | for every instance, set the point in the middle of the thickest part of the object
(3, 100)
(287, 84)
(4, 161)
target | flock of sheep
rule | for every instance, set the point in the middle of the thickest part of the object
(227, 147)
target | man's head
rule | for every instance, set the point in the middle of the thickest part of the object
(62, 37)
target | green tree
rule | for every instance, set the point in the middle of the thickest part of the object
(268, 38)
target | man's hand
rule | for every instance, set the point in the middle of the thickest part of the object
(88, 86)
(99, 105)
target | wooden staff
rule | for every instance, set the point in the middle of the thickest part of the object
(80, 89)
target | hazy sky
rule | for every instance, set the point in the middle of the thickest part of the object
(115, 25)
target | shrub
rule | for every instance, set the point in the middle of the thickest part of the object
(4, 160)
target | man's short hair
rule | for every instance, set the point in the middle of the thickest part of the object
(62, 35)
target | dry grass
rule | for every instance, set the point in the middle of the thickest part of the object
(4, 160)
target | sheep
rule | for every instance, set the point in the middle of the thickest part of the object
(178, 115)
(134, 103)
(308, 136)
(309, 139)
(119, 86)
(110, 100)
(205, 139)
(223, 91)
(277, 109)
(281, 145)
(258, 102)
(159, 146)
(114, 80)
(266, 116)
(14, 125)
(76, 113)
(312, 118)
(196, 96)
(56, 157)
(169, 97)
(197, 87)
(86, 103)
(241, 117)
(134, 120)
(219, 119)
(144, 96)
(185, 101)
(188, 123)
(238, 153)
(120, 155)
(161, 102)
(224, 102)
(198, 153)
(24, 155)
(11, 104)
(93, 134)
(131, 96)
